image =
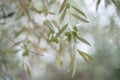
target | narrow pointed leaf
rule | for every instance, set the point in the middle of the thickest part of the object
(55, 24)
(85, 56)
(60, 48)
(63, 5)
(83, 40)
(71, 66)
(74, 69)
(62, 30)
(28, 71)
(80, 18)
(63, 15)
(49, 24)
(78, 10)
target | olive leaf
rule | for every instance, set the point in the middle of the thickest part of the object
(63, 15)
(49, 24)
(85, 56)
(71, 66)
(78, 10)
(55, 23)
(83, 40)
(61, 47)
(28, 71)
(74, 69)
(62, 30)
(63, 5)
(80, 18)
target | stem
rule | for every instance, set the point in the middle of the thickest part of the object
(15, 42)
(36, 25)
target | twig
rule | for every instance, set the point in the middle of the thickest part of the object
(15, 42)
(36, 25)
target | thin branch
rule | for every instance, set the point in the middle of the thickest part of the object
(9, 38)
(36, 25)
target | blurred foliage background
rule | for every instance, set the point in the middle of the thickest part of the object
(59, 40)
